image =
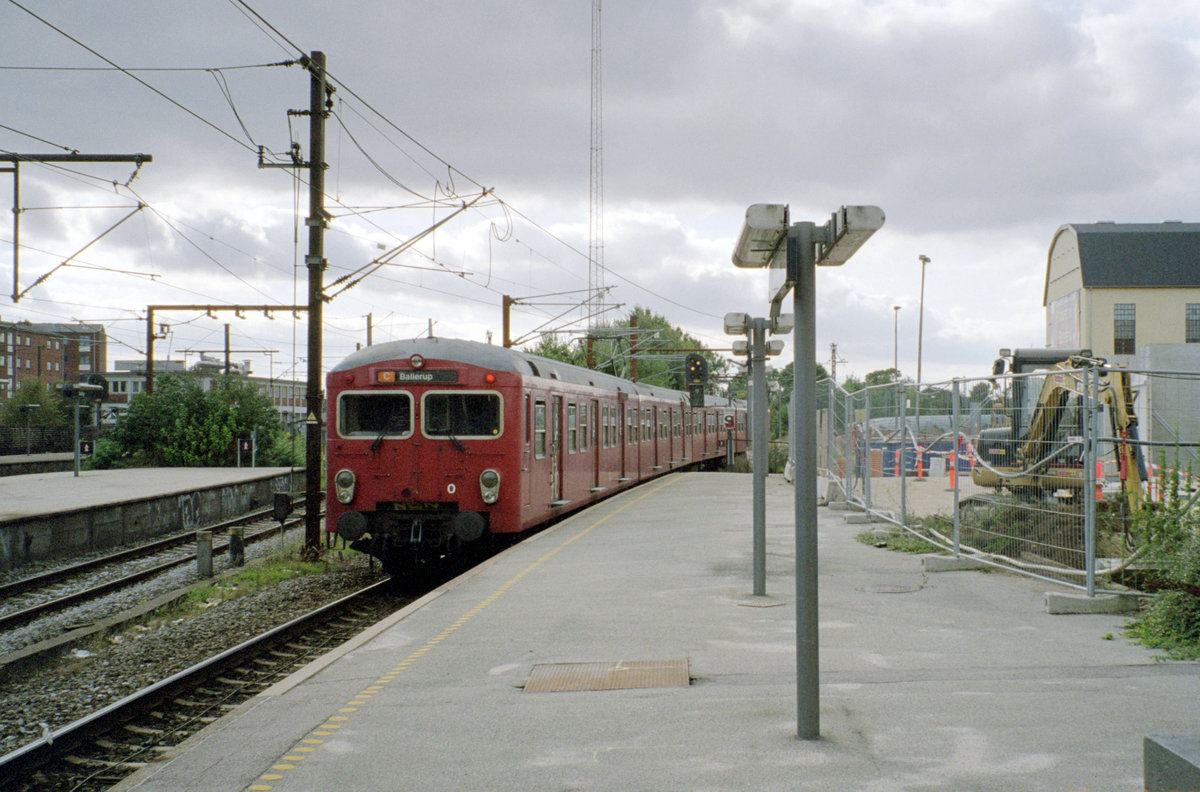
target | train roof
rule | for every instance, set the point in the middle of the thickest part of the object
(500, 358)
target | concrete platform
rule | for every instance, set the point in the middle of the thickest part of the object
(49, 515)
(953, 682)
(22, 464)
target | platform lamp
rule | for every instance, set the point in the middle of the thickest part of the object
(758, 348)
(766, 234)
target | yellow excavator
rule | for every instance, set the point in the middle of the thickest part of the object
(1040, 452)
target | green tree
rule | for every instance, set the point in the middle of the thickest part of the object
(51, 410)
(549, 346)
(612, 350)
(881, 377)
(190, 421)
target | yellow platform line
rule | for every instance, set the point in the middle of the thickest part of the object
(305, 745)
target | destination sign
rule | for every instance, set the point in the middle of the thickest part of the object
(422, 376)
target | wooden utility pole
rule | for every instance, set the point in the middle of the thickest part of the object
(317, 219)
(507, 303)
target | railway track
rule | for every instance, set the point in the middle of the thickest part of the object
(96, 751)
(38, 595)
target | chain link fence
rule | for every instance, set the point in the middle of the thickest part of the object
(1049, 473)
(15, 441)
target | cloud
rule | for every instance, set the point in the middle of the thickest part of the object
(979, 127)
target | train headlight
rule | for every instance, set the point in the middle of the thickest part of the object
(489, 486)
(343, 485)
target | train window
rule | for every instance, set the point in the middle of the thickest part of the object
(572, 428)
(631, 431)
(365, 414)
(528, 420)
(647, 424)
(539, 429)
(461, 414)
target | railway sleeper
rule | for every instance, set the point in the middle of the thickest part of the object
(146, 731)
(104, 764)
(123, 747)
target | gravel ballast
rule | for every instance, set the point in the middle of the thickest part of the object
(45, 695)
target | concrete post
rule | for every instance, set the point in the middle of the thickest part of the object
(237, 545)
(204, 558)
(760, 441)
(804, 434)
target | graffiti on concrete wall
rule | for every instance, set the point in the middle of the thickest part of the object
(190, 510)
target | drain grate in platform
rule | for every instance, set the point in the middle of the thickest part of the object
(624, 675)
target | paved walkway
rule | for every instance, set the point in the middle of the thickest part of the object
(955, 681)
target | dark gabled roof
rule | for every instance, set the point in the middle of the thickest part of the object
(1138, 255)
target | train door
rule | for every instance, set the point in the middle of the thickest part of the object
(672, 439)
(660, 423)
(594, 438)
(556, 454)
(527, 452)
(629, 437)
(622, 418)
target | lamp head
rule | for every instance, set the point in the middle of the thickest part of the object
(762, 235)
(736, 323)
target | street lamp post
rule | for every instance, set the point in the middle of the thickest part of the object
(758, 349)
(896, 340)
(792, 252)
(920, 328)
(28, 410)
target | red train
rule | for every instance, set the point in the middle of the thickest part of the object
(435, 443)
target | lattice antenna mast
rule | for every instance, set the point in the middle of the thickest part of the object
(595, 304)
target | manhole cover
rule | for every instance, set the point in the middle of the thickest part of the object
(624, 675)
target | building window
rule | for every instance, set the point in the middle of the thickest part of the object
(1191, 323)
(1124, 339)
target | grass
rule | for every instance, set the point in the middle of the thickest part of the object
(271, 571)
(898, 541)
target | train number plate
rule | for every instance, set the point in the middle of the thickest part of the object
(413, 506)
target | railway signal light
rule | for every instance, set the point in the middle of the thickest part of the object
(697, 369)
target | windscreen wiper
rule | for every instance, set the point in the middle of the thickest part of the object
(388, 424)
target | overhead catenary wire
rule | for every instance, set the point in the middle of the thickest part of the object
(445, 185)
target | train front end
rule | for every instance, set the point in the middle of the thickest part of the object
(421, 447)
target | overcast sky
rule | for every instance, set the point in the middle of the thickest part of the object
(979, 126)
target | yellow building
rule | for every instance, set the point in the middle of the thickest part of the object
(1115, 288)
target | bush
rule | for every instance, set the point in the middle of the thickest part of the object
(1170, 536)
(1172, 623)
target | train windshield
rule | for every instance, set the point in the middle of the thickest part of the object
(461, 414)
(375, 414)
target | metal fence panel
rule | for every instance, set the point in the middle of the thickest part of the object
(1060, 497)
